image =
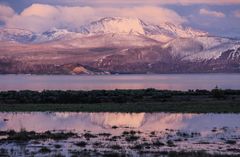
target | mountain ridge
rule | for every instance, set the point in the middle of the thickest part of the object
(116, 25)
(117, 45)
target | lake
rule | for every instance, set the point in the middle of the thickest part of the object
(123, 133)
(84, 82)
(117, 134)
(98, 122)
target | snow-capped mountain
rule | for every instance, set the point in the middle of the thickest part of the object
(18, 35)
(118, 25)
(115, 26)
(201, 47)
(118, 31)
(108, 25)
(57, 34)
(118, 45)
(135, 26)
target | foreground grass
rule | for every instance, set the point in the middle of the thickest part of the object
(197, 154)
(25, 136)
(50, 142)
(146, 100)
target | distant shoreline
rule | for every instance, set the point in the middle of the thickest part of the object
(145, 100)
(115, 74)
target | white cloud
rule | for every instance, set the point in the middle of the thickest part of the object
(237, 13)
(39, 17)
(146, 2)
(5, 12)
(211, 13)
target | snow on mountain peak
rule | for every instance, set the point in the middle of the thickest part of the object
(163, 32)
(120, 25)
(16, 34)
(55, 33)
(115, 25)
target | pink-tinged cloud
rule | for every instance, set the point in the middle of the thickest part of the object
(5, 13)
(183, 2)
(39, 17)
(211, 13)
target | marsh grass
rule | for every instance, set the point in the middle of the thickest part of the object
(44, 150)
(232, 142)
(146, 100)
(131, 138)
(81, 144)
(197, 154)
(24, 136)
(89, 135)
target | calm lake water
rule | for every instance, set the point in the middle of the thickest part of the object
(163, 81)
(124, 133)
(95, 122)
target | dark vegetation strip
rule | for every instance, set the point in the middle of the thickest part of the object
(25, 136)
(146, 100)
(198, 154)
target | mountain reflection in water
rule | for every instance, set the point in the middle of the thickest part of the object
(97, 122)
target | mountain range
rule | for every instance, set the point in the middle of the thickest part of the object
(117, 45)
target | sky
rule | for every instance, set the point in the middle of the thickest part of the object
(218, 17)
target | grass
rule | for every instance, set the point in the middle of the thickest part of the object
(115, 147)
(231, 142)
(197, 154)
(23, 136)
(89, 135)
(131, 138)
(200, 106)
(148, 100)
(81, 144)
(158, 144)
(44, 150)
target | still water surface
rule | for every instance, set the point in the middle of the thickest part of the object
(163, 81)
(43, 121)
(210, 133)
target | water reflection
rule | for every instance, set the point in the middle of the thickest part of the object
(99, 122)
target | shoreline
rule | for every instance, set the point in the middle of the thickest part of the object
(145, 100)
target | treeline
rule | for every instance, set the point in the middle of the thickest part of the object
(110, 96)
